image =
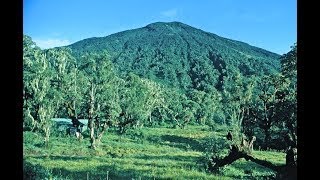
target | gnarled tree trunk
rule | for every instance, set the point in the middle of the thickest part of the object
(287, 171)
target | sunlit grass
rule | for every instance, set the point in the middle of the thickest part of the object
(272, 156)
(160, 153)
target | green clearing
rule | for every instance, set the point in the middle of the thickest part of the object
(146, 153)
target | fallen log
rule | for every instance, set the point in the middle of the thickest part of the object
(287, 171)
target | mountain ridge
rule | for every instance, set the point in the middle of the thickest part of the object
(149, 26)
(179, 55)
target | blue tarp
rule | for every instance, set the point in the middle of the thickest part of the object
(63, 123)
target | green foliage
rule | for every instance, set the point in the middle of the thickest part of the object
(236, 98)
(101, 81)
(163, 153)
(128, 100)
(216, 146)
(289, 64)
(162, 75)
(207, 105)
(168, 54)
(136, 134)
(64, 80)
(272, 111)
(35, 172)
(39, 99)
(134, 97)
(288, 94)
(179, 55)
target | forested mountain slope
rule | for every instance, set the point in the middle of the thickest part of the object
(179, 55)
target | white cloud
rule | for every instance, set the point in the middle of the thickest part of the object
(171, 13)
(50, 43)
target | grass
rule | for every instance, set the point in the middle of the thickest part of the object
(148, 153)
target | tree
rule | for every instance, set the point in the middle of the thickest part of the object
(237, 96)
(154, 98)
(64, 81)
(178, 109)
(289, 94)
(39, 99)
(207, 105)
(289, 64)
(101, 91)
(139, 97)
(267, 105)
(275, 105)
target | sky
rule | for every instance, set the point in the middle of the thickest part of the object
(268, 24)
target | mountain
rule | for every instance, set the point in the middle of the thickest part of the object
(179, 55)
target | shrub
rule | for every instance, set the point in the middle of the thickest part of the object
(216, 145)
(215, 148)
(136, 134)
(219, 118)
(35, 172)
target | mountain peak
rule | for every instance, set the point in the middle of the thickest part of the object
(166, 24)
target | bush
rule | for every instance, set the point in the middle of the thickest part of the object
(219, 118)
(31, 138)
(35, 172)
(136, 134)
(215, 148)
(216, 145)
(212, 125)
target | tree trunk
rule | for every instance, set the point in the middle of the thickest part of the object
(47, 135)
(33, 122)
(91, 118)
(287, 171)
(92, 138)
(150, 118)
(266, 137)
(104, 129)
(262, 163)
(233, 155)
(74, 109)
(75, 93)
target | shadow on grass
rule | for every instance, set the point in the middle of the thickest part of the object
(101, 172)
(85, 135)
(40, 145)
(169, 157)
(64, 158)
(177, 161)
(177, 142)
(248, 165)
(248, 168)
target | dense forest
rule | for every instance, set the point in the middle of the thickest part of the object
(163, 75)
(180, 56)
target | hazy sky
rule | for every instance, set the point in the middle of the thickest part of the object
(269, 24)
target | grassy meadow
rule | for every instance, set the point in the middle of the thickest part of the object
(146, 153)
